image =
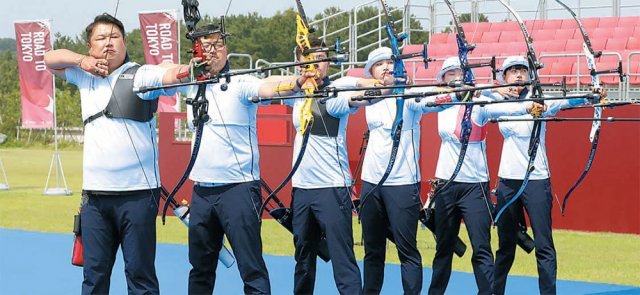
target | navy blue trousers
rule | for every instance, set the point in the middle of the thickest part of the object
(231, 210)
(126, 219)
(391, 211)
(538, 201)
(469, 202)
(328, 211)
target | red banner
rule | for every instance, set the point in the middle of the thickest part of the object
(33, 39)
(160, 41)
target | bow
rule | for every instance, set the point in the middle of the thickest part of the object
(590, 56)
(272, 204)
(309, 87)
(400, 76)
(200, 108)
(468, 78)
(536, 93)
(199, 104)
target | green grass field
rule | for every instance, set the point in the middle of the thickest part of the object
(592, 257)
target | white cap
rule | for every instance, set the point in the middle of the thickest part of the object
(510, 62)
(379, 54)
(449, 64)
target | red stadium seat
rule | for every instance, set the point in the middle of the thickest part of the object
(598, 44)
(511, 36)
(483, 75)
(513, 48)
(590, 22)
(552, 46)
(581, 68)
(565, 34)
(483, 26)
(505, 26)
(474, 37)
(441, 50)
(629, 21)
(574, 46)
(491, 49)
(569, 23)
(601, 33)
(533, 25)
(633, 43)
(634, 77)
(411, 48)
(489, 37)
(560, 68)
(554, 24)
(543, 35)
(616, 44)
(546, 70)
(625, 59)
(623, 32)
(452, 39)
(608, 22)
(438, 38)
(547, 61)
(423, 75)
(469, 28)
(356, 72)
(482, 49)
(412, 65)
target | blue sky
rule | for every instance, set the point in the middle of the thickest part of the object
(69, 17)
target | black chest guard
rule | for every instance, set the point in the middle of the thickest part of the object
(323, 123)
(126, 104)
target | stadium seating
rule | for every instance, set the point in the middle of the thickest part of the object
(505, 26)
(490, 37)
(589, 23)
(554, 36)
(633, 43)
(574, 46)
(511, 36)
(439, 38)
(628, 21)
(543, 35)
(616, 44)
(566, 34)
(552, 24)
(634, 78)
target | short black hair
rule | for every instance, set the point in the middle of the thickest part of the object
(213, 28)
(104, 18)
(314, 42)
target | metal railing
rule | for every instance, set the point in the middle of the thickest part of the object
(630, 88)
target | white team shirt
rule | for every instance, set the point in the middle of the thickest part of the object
(515, 156)
(380, 118)
(325, 162)
(229, 145)
(118, 154)
(474, 166)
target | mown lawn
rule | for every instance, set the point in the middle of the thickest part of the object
(593, 257)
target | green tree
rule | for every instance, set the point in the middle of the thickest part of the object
(9, 94)
(8, 44)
